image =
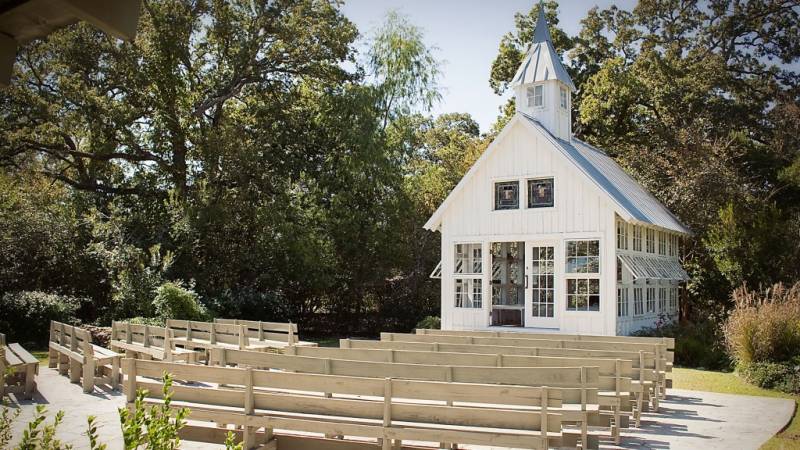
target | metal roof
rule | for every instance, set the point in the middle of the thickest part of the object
(541, 62)
(634, 203)
(626, 192)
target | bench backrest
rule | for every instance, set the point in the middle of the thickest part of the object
(607, 368)
(209, 331)
(144, 335)
(375, 402)
(72, 338)
(580, 384)
(669, 342)
(528, 342)
(643, 363)
(266, 331)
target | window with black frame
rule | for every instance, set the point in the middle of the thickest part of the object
(540, 193)
(506, 195)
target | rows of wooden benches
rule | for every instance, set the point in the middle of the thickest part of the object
(599, 387)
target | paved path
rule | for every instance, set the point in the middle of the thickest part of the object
(686, 420)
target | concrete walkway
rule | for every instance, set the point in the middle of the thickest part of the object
(686, 419)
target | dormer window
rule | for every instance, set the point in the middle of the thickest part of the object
(506, 195)
(536, 96)
(563, 98)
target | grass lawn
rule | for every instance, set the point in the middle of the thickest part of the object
(728, 383)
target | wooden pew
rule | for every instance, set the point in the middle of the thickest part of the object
(613, 372)
(148, 342)
(668, 341)
(580, 385)
(356, 407)
(207, 335)
(23, 366)
(284, 334)
(659, 350)
(72, 351)
(643, 363)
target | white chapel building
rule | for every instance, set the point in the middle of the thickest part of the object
(546, 232)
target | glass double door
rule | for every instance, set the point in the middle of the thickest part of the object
(523, 284)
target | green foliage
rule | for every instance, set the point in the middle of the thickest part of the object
(91, 433)
(697, 344)
(764, 326)
(39, 435)
(156, 321)
(156, 427)
(7, 418)
(784, 376)
(173, 301)
(430, 323)
(26, 316)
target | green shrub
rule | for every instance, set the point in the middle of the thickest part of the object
(430, 322)
(698, 345)
(155, 321)
(764, 326)
(173, 301)
(784, 377)
(25, 316)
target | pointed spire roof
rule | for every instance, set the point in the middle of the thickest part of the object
(542, 62)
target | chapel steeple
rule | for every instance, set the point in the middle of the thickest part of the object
(542, 87)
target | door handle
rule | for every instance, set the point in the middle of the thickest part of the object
(526, 281)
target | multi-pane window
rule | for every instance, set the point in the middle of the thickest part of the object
(469, 259)
(651, 299)
(583, 257)
(662, 299)
(563, 98)
(468, 293)
(673, 244)
(536, 96)
(637, 238)
(650, 238)
(673, 299)
(506, 195)
(622, 235)
(540, 193)
(543, 281)
(583, 294)
(622, 302)
(638, 305)
(662, 243)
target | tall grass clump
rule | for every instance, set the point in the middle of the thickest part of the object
(762, 335)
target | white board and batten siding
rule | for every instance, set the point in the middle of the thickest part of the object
(580, 212)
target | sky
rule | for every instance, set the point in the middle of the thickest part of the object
(466, 35)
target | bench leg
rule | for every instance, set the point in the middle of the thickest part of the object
(74, 371)
(115, 373)
(249, 441)
(88, 375)
(30, 383)
(617, 424)
(52, 358)
(63, 364)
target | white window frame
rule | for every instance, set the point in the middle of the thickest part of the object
(650, 304)
(638, 301)
(536, 92)
(622, 301)
(673, 299)
(662, 299)
(637, 238)
(467, 299)
(622, 235)
(589, 277)
(564, 98)
(662, 243)
(650, 240)
(472, 264)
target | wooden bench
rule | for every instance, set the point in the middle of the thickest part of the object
(372, 408)
(71, 351)
(667, 341)
(207, 335)
(615, 374)
(282, 334)
(580, 385)
(643, 363)
(659, 350)
(148, 342)
(23, 367)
